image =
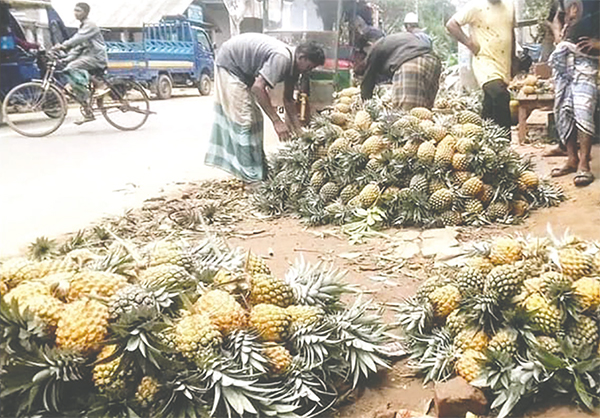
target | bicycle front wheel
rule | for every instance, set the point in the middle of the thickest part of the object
(126, 106)
(34, 110)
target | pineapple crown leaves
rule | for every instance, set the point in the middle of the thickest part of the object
(519, 321)
(366, 225)
(244, 348)
(74, 242)
(314, 395)
(317, 285)
(433, 355)
(22, 331)
(483, 311)
(414, 316)
(42, 248)
(496, 371)
(313, 344)
(362, 338)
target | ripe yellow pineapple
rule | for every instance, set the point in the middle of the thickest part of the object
(448, 141)
(426, 153)
(467, 116)
(368, 195)
(272, 322)
(460, 177)
(504, 341)
(46, 307)
(528, 180)
(353, 135)
(27, 290)
(146, 391)
(466, 145)
(472, 131)
(169, 252)
(460, 162)
(345, 100)
(468, 366)
(548, 343)
(301, 315)
(546, 317)
(95, 283)
(411, 147)
(441, 200)
(443, 156)
(255, 264)
(339, 145)
(339, 118)
(421, 113)
(473, 206)
(15, 271)
(265, 288)
(279, 358)
(470, 339)
(82, 326)
(194, 335)
(471, 187)
(163, 274)
(342, 107)
(456, 322)
(588, 290)
(374, 144)
(222, 308)
(505, 250)
(106, 375)
(444, 300)
(437, 133)
(362, 120)
(349, 92)
(486, 194)
(483, 264)
(575, 263)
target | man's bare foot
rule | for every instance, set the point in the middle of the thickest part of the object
(562, 171)
(555, 152)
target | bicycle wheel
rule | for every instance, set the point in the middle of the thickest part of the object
(34, 111)
(126, 106)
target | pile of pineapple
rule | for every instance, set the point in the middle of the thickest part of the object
(178, 330)
(520, 319)
(418, 168)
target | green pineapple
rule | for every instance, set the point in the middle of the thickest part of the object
(504, 280)
(329, 191)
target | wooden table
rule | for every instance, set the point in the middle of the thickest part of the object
(527, 103)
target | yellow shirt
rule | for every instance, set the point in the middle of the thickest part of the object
(491, 26)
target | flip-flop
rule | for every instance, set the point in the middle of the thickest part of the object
(562, 171)
(583, 178)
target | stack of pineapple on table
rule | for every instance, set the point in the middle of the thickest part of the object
(177, 330)
(519, 318)
(418, 168)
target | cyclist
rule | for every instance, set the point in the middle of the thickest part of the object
(86, 52)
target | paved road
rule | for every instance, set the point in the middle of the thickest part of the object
(61, 183)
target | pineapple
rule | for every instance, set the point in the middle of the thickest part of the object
(451, 218)
(486, 194)
(460, 177)
(471, 187)
(376, 128)
(498, 210)
(265, 288)
(318, 179)
(329, 191)
(466, 116)
(425, 125)
(342, 107)
(456, 322)
(588, 290)
(45, 307)
(548, 343)
(575, 263)
(471, 130)
(444, 300)
(15, 271)
(195, 336)
(504, 341)
(528, 180)
(466, 145)
(168, 252)
(107, 377)
(428, 286)
(505, 250)
(437, 133)
(272, 322)
(435, 185)
(368, 195)
(374, 145)
(146, 391)
(443, 157)
(546, 317)
(468, 366)
(27, 290)
(3, 288)
(505, 281)
(349, 92)
(583, 333)
(338, 118)
(164, 275)
(95, 283)
(473, 206)
(419, 183)
(482, 264)
(426, 153)
(302, 315)
(471, 339)
(411, 148)
(339, 145)
(362, 120)
(353, 136)
(421, 113)
(82, 326)
(223, 310)
(390, 193)
(348, 192)
(460, 162)
(448, 141)
(470, 279)
(279, 358)
(133, 299)
(441, 200)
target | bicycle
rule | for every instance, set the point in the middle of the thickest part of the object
(39, 107)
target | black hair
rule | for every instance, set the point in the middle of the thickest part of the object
(84, 6)
(313, 51)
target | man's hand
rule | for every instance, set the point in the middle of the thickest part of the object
(474, 47)
(282, 130)
(588, 45)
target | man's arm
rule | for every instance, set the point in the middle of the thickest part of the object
(87, 31)
(259, 89)
(290, 105)
(457, 33)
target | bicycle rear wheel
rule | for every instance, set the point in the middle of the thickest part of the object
(126, 106)
(34, 111)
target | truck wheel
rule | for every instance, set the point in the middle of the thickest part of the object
(164, 87)
(204, 85)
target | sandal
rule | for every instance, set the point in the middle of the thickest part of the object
(562, 171)
(583, 178)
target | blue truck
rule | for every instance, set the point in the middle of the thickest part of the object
(172, 53)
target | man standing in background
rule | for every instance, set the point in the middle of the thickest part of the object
(492, 42)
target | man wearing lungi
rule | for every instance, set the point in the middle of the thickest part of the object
(246, 67)
(575, 70)
(492, 42)
(410, 62)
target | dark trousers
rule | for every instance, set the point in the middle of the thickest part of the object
(496, 103)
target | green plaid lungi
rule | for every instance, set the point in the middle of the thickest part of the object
(415, 83)
(236, 141)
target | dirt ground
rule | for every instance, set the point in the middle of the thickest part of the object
(281, 241)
